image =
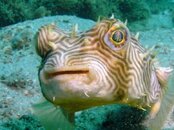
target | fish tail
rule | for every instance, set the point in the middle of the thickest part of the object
(53, 117)
(166, 106)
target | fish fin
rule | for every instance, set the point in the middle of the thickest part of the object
(53, 117)
(163, 74)
(166, 105)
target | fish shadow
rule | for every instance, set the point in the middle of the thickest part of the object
(124, 118)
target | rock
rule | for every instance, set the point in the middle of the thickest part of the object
(8, 50)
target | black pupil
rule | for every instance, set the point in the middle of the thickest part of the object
(117, 36)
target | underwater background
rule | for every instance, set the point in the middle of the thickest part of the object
(19, 63)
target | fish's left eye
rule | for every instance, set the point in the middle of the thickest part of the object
(117, 38)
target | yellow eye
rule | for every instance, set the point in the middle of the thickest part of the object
(117, 37)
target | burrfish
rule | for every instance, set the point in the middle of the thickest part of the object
(104, 65)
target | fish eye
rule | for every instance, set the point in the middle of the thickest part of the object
(117, 38)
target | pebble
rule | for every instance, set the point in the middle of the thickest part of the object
(8, 50)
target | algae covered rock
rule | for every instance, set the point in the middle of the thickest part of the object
(14, 11)
(59, 6)
(94, 9)
(134, 10)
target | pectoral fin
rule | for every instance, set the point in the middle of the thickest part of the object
(163, 74)
(53, 117)
(161, 110)
(154, 110)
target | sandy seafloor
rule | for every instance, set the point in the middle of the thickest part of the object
(19, 86)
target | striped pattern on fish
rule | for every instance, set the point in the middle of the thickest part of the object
(103, 65)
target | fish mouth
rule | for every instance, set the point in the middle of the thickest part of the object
(69, 70)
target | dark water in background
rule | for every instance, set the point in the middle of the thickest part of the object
(14, 11)
(19, 87)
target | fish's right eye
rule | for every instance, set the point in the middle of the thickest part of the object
(117, 38)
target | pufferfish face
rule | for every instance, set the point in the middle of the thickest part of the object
(100, 66)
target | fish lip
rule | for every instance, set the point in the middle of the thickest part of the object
(67, 70)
